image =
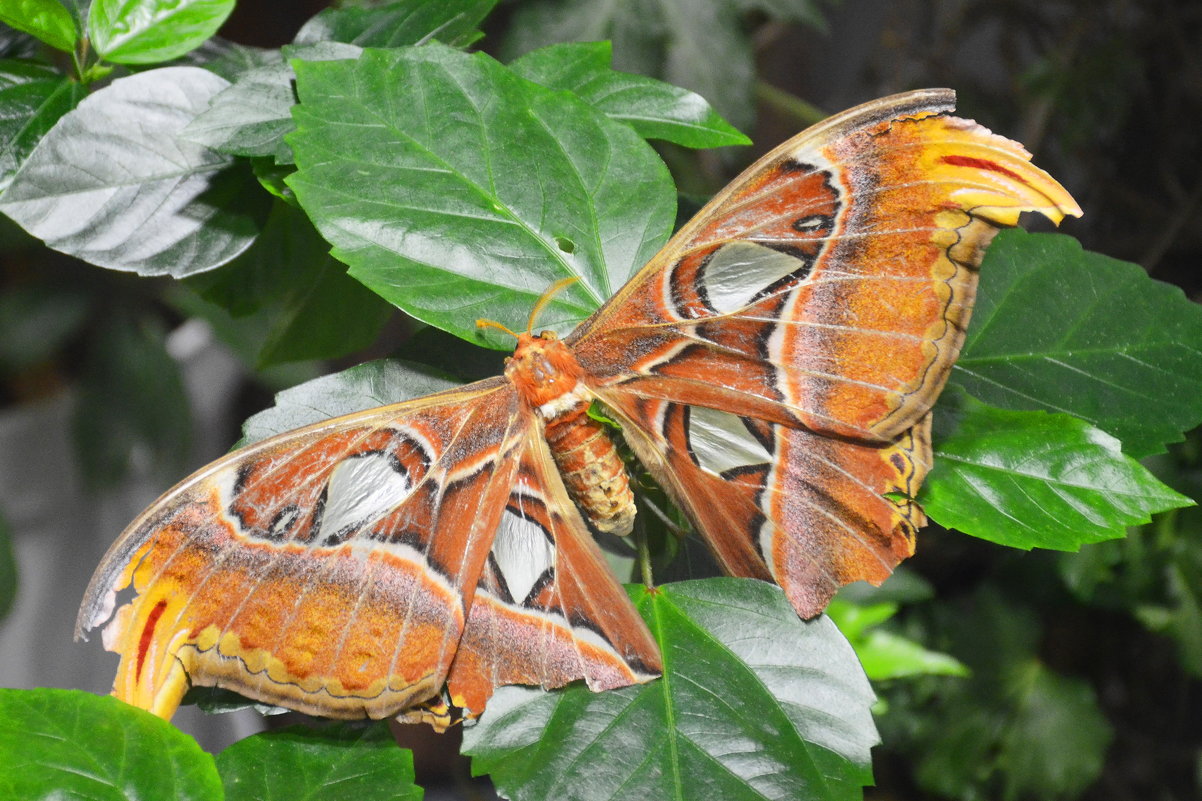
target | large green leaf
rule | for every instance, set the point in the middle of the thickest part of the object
(112, 183)
(67, 744)
(753, 704)
(1065, 330)
(48, 20)
(703, 45)
(655, 109)
(32, 98)
(152, 31)
(457, 190)
(401, 23)
(333, 763)
(1033, 479)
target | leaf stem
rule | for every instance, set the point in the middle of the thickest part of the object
(644, 554)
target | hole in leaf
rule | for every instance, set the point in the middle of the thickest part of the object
(565, 244)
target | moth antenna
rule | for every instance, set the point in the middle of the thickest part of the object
(551, 292)
(482, 323)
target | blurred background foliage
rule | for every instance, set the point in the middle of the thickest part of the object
(1084, 671)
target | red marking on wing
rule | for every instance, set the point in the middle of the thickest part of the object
(148, 634)
(981, 164)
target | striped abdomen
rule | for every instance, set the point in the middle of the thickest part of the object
(592, 469)
(548, 377)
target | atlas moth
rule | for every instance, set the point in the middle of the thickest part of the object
(773, 367)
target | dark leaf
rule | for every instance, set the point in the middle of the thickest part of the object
(1065, 330)
(32, 98)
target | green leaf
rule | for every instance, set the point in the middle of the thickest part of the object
(655, 109)
(152, 31)
(1035, 480)
(112, 183)
(131, 402)
(364, 386)
(457, 190)
(332, 763)
(48, 20)
(8, 569)
(1065, 330)
(251, 117)
(409, 22)
(312, 308)
(883, 653)
(60, 744)
(32, 98)
(753, 704)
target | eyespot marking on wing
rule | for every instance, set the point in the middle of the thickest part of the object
(738, 271)
(361, 489)
(720, 441)
(523, 554)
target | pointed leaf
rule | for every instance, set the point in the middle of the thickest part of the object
(456, 190)
(655, 109)
(251, 117)
(1065, 330)
(32, 98)
(151, 31)
(332, 763)
(397, 24)
(753, 704)
(70, 744)
(113, 184)
(48, 20)
(1035, 480)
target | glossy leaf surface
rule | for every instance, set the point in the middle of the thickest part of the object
(151, 31)
(331, 763)
(47, 20)
(457, 190)
(114, 185)
(753, 703)
(1032, 479)
(1065, 330)
(59, 744)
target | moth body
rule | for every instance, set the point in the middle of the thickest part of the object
(547, 376)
